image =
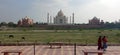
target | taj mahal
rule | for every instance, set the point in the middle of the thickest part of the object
(63, 21)
(60, 19)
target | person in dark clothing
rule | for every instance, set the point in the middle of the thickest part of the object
(100, 43)
(104, 40)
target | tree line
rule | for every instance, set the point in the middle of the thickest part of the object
(105, 25)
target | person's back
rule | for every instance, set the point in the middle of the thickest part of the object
(104, 40)
(99, 43)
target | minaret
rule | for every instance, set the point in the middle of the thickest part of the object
(50, 19)
(70, 19)
(47, 18)
(73, 19)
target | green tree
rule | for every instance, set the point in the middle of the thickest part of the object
(3, 24)
(11, 24)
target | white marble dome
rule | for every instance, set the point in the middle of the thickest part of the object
(60, 13)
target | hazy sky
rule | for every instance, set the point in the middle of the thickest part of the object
(13, 10)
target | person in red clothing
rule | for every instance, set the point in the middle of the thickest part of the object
(104, 40)
(100, 43)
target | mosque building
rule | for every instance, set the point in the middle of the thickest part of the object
(96, 21)
(26, 21)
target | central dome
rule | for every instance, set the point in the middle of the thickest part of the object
(60, 13)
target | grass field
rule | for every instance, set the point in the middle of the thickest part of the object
(71, 36)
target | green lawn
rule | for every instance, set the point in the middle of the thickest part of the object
(69, 36)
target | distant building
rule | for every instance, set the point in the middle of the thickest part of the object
(26, 21)
(96, 21)
(60, 18)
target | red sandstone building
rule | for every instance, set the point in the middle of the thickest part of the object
(26, 21)
(96, 21)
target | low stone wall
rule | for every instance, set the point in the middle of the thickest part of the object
(31, 43)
